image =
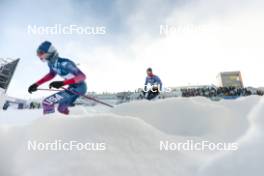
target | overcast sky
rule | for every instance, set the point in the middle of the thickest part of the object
(206, 37)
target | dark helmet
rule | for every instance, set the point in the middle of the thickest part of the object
(149, 70)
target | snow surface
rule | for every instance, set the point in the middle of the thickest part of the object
(132, 133)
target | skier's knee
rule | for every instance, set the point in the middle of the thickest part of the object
(63, 109)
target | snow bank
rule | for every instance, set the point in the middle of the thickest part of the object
(132, 149)
(224, 120)
(132, 133)
(248, 160)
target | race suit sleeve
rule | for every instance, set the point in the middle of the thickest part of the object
(79, 76)
(159, 82)
(46, 78)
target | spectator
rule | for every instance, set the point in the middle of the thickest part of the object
(219, 92)
(155, 83)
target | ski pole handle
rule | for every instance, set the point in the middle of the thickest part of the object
(55, 90)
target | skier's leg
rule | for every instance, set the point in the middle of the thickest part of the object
(155, 94)
(49, 102)
(152, 95)
(63, 98)
(63, 109)
(149, 95)
(70, 98)
(66, 102)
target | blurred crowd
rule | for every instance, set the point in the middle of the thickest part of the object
(34, 105)
(219, 92)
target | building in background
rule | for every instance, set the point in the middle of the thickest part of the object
(230, 79)
(7, 69)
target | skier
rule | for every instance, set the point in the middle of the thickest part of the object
(72, 75)
(155, 83)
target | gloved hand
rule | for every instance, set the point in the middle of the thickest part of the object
(33, 88)
(56, 84)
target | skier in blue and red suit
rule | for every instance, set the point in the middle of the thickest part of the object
(155, 83)
(65, 68)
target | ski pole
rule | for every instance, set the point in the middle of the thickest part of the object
(55, 90)
(88, 97)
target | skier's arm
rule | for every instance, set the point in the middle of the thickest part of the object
(46, 78)
(159, 82)
(79, 76)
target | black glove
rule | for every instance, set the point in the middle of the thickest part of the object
(33, 88)
(56, 84)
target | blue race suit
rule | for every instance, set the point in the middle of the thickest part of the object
(73, 77)
(153, 81)
(156, 86)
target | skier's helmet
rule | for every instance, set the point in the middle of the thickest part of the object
(149, 72)
(46, 51)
